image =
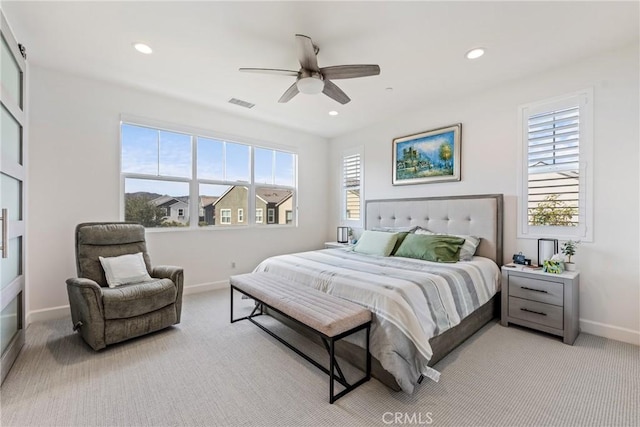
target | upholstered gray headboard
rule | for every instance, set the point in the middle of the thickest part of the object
(477, 215)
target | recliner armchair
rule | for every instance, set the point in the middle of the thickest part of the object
(106, 315)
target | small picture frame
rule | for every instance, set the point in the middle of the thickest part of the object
(546, 249)
(427, 157)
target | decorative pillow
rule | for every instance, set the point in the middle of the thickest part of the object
(376, 243)
(431, 247)
(401, 236)
(469, 247)
(125, 269)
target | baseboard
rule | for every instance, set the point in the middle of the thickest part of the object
(46, 314)
(205, 287)
(53, 313)
(587, 326)
(609, 331)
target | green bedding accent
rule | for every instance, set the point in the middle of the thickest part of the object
(431, 247)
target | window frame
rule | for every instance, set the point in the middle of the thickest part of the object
(261, 216)
(194, 182)
(240, 215)
(222, 216)
(584, 231)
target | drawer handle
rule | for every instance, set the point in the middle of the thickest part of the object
(534, 312)
(535, 290)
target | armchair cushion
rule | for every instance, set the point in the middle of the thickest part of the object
(138, 298)
(107, 240)
(124, 269)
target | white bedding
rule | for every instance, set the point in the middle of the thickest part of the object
(412, 300)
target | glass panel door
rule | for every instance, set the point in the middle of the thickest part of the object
(12, 175)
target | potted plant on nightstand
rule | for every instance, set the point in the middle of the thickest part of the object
(568, 248)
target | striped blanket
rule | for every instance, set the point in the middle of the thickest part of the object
(412, 300)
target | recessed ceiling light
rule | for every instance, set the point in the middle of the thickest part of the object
(333, 113)
(389, 89)
(475, 53)
(142, 48)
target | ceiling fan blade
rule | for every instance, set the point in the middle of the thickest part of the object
(270, 71)
(334, 92)
(306, 53)
(349, 71)
(289, 93)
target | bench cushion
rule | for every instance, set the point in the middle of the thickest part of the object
(325, 313)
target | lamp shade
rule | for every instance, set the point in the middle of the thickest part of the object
(343, 235)
(310, 85)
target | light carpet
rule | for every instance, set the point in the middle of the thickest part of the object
(208, 372)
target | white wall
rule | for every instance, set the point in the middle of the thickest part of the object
(610, 279)
(74, 177)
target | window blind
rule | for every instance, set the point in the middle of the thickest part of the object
(553, 161)
(351, 186)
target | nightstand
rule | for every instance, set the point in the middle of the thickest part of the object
(333, 245)
(542, 301)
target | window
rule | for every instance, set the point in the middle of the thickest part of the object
(351, 200)
(289, 216)
(225, 216)
(274, 174)
(158, 168)
(555, 187)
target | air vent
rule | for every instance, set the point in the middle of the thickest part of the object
(241, 103)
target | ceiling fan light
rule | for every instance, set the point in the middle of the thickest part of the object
(310, 85)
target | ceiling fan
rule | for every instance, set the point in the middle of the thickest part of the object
(311, 79)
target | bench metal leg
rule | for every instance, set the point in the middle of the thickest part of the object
(329, 343)
(253, 313)
(367, 376)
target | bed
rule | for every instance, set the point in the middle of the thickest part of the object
(422, 310)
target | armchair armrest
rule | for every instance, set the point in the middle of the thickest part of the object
(176, 274)
(87, 312)
(168, 272)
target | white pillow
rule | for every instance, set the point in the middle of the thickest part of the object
(468, 248)
(125, 269)
(376, 243)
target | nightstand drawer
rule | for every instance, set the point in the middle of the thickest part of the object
(543, 314)
(536, 290)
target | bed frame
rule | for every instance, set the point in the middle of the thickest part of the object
(477, 215)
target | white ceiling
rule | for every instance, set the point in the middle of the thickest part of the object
(420, 47)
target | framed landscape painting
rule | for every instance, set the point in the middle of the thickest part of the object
(432, 156)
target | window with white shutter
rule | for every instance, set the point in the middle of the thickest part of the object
(556, 156)
(352, 187)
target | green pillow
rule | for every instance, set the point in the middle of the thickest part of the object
(376, 243)
(431, 247)
(468, 249)
(401, 237)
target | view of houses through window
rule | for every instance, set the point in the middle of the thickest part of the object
(233, 180)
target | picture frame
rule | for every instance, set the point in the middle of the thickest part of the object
(428, 157)
(546, 249)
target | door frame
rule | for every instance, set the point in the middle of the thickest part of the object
(15, 289)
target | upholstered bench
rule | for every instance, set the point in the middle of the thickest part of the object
(330, 317)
